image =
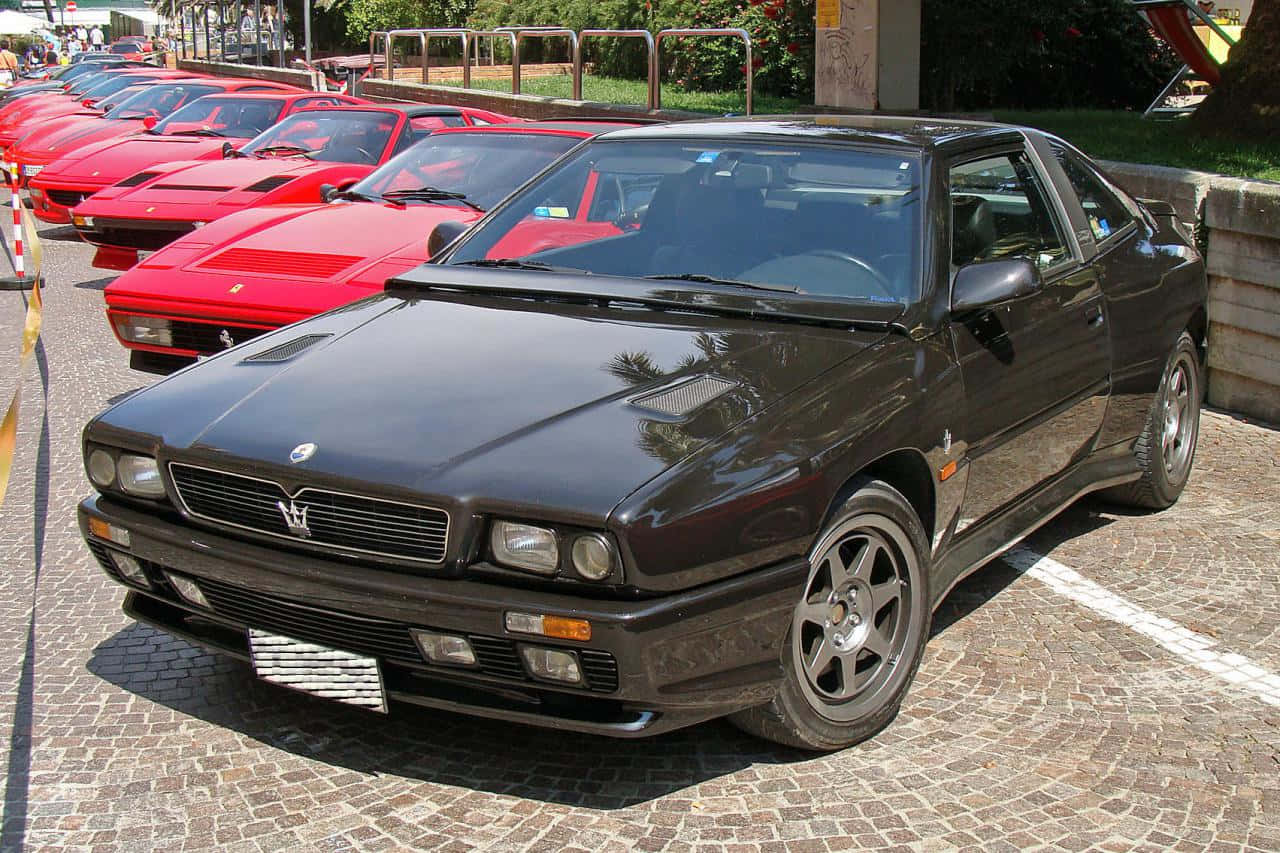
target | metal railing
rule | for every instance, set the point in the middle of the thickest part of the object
(515, 36)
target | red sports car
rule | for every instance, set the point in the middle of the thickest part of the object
(286, 164)
(198, 131)
(24, 114)
(51, 140)
(258, 269)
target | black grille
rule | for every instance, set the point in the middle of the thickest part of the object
(142, 239)
(100, 553)
(140, 178)
(65, 198)
(286, 350)
(366, 525)
(600, 670)
(207, 338)
(266, 185)
(192, 188)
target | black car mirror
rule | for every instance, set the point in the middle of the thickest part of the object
(328, 192)
(987, 283)
(227, 148)
(443, 234)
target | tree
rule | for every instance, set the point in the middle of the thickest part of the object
(1246, 103)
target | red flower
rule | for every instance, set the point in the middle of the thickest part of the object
(756, 2)
(772, 12)
(1072, 32)
(793, 48)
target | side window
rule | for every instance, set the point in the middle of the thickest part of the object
(1106, 213)
(318, 102)
(999, 209)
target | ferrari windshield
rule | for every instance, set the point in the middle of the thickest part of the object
(109, 86)
(159, 100)
(349, 136)
(113, 100)
(236, 116)
(839, 221)
(88, 82)
(481, 167)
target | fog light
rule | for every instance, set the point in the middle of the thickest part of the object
(130, 568)
(560, 627)
(593, 556)
(552, 664)
(140, 475)
(144, 330)
(524, 546)
(187, 588)
(445, 648)
(102, 468)
(110, 532)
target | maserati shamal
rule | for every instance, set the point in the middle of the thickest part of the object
(725, 458)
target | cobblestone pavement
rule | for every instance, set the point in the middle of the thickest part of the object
(1037, 718)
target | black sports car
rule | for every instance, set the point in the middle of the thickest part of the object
(706, 419)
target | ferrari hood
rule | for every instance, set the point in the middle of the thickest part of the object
(114, 160)
(211, 182)
(470, 397)
(47, 143)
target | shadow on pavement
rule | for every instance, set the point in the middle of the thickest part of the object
(95, 284)
(61, 234)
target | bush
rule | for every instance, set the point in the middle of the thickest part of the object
(366, 16)
(1039, 54)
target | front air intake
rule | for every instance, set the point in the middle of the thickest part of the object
(266, 185)
(140, 178)
(684, 398)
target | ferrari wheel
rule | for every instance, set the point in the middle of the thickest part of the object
(858, 629)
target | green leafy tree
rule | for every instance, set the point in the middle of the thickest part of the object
(366, 16)
(1246, 104)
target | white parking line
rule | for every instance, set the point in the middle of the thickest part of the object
(1194, 648)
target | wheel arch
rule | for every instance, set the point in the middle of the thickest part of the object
(907, 471)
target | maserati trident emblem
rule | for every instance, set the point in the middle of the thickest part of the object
(227, 340)
(296, 518)
(302, 452)
(946, 441)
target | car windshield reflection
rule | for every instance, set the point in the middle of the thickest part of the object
(796, 218)
(346, 137)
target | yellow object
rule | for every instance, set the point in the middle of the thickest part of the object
(828, 14)
(30, 334)
(1218, 47)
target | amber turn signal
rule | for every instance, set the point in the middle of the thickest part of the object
(558, 627)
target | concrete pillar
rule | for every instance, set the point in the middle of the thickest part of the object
(868, 54)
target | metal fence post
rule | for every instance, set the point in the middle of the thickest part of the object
(522, 33)
(652, 61)
(737, 33)
(471, 36)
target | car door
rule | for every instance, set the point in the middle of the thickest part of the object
(1036, 368)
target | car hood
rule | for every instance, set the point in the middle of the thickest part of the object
(214, 181)
(480, 401)
(113, 160)
(50, 141)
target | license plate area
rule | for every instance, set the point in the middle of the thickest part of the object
(318, 670)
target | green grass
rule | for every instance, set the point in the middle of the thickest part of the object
(616, 91)
(1118, 135)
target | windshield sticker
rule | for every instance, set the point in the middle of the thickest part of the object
(707, 157)
(546, 212)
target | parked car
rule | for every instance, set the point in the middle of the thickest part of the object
(261, 268)
(51, 140)
(727, 461)
(199, 131)
(286, 164)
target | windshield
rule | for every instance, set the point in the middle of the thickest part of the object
(820, 219)
(126, 47)
(350, 136)
(112, 84)
(115, 99)
(86, 82)
(159, 100)
(484, 167)
(222, 116)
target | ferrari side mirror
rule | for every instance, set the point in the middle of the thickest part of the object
(328, 192)
(444, 234)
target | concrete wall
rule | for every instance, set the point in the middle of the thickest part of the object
(1241, 220)
(309, 80)
(524, 106)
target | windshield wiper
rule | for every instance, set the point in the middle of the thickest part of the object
(431, 194)
(284, 149)
(203, 131)
(517, 264)
(710, 279)
(353, 195)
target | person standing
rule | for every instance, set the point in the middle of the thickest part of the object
(95, 37)
(8, 63)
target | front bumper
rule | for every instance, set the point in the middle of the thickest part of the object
(652, 665)
(131, 233)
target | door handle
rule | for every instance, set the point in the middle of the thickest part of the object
(1094, 317)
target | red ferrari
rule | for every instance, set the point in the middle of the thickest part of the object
(286, 164)
(197, 131)
(52, 139)
(24, 114)
(259, 269)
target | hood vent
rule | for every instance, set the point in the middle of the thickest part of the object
(266, 185)
(682, 399)
(199, 188)
(140, 178)
(286, 350)
(313, 265)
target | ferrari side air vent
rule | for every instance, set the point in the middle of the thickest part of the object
(286, 350)
(140, 178)
(266, 185)
(679, 400)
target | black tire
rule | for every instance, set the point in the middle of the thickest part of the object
(1166, 459)
(873, 536)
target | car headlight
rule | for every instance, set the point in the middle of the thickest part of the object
(139, 475)
(524, 546)
(102, 468)
(594, 556)
(155, 331)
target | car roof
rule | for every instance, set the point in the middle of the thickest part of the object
(560, 128)
(918, 132)
(270, 94)
(411, 110)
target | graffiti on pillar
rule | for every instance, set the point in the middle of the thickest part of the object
(846, 57)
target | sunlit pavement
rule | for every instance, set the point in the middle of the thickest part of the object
(1114, 684)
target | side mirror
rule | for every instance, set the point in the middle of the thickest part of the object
(328, 192)
(150, 122)
(985, 284)
(444, 234)
(227, 148)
